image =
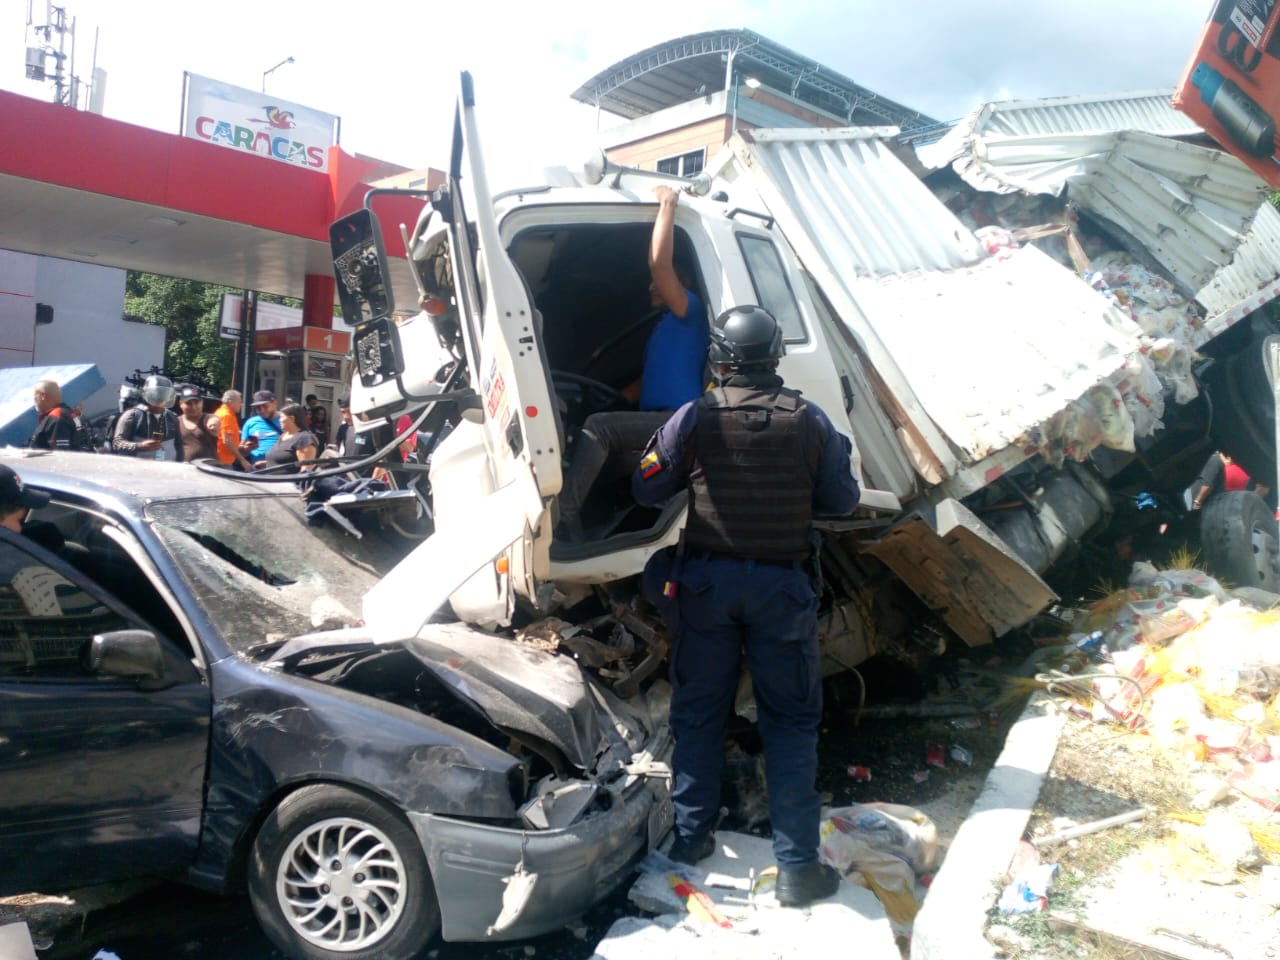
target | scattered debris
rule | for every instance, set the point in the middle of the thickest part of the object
(961, 755)
(1085, 829)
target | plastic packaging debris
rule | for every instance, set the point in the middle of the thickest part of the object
(961, 755)
(934, 756)
(696, 901)
(920, 776)
(1029, 891)
(859, 774)
(965, 723)
(1025, 856)
(1229, 842)
(1209, 790)
(889, 845)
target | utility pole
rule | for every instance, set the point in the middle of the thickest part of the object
(52, 42)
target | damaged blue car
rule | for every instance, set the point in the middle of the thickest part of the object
(187, 690)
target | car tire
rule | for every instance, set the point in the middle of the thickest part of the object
(369, 897)
(1238, 535)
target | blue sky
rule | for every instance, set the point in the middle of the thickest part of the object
(389, 68)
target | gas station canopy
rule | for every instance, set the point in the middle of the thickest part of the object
(82, 187)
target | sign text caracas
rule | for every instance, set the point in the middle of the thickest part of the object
(243, 119)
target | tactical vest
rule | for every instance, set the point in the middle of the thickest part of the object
(751, 484)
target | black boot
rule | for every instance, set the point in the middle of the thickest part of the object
(799, 886)
(693, 850)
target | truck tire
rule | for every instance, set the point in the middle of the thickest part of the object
(1238, 535)
(1243, 410)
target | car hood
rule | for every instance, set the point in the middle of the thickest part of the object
(545, 700)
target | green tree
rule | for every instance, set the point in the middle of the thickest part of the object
(189, 311)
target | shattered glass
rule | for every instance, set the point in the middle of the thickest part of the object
(263, 572)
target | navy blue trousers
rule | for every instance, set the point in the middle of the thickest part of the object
(727, 608)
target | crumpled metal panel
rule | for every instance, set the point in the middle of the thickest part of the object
(995, 349)
(1251, 280)
(947, 327)
(1187, 206)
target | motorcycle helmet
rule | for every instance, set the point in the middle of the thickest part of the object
(130, 396)
(158, 391)
(745, 336)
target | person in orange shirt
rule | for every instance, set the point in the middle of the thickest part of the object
(231, 451)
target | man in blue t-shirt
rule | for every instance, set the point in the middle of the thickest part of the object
(674, 360)
(262, 427)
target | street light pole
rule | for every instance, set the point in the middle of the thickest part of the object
(273, 70)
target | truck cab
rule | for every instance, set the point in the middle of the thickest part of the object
(536, 301)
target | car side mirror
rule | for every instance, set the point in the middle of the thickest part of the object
(360, 268)
(126, 653)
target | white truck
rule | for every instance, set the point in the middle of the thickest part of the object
(534, 312)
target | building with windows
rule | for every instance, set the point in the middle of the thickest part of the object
(680, 101)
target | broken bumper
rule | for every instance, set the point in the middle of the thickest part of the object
(574, 866)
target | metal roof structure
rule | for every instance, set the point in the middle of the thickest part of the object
(689, 67)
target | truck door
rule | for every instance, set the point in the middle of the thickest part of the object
(500, 513)
(504, 344)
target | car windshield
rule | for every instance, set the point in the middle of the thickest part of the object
(263, 573)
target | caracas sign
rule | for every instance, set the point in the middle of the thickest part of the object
(232, 116)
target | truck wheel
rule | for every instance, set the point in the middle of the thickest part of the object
(1243, 411)
(338, 875)
(1239, 538)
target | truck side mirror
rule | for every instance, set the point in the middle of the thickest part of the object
(360, 267)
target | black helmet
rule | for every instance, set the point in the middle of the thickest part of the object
(745, 336)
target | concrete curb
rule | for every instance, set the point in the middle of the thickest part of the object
(951, 921)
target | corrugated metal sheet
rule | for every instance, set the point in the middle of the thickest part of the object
(979, 349)
(1148, 110)
(849, 176)
(1251, 280)
(1187, 206)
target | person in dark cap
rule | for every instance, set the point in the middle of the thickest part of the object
(262, 426)
(197, 430)
(17, 500)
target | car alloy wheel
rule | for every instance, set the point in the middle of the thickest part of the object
(338, 874)
(341, 884)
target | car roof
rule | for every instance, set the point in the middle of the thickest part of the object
(131, 480)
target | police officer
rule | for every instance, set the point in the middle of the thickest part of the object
(758, 462)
